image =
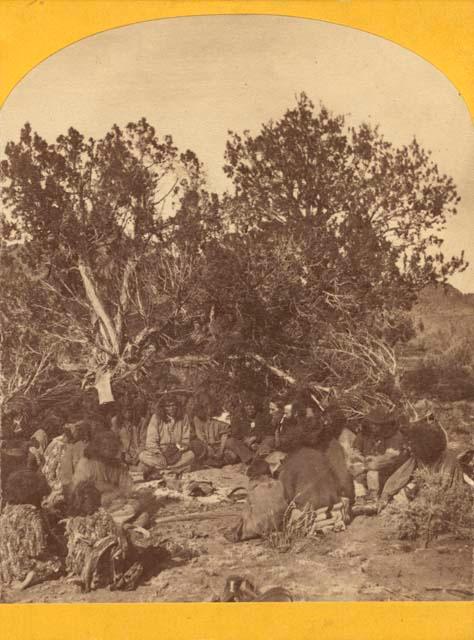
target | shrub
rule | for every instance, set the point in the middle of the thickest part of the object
(435, 510)
(446, 375)
(282, 539)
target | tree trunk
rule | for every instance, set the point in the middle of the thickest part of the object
(110, 333)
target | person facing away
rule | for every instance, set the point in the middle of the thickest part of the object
(167, 443)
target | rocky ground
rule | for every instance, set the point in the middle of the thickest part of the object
(364, 562)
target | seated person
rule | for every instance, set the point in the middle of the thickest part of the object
(285, 432)
(28, 549)
(428, 448)
(167, 442)
(308, 478)
(267, 439)
(317, 430)
(53, 458)
(378, 449)
(265, 507)
(38, 446)
(243, 432)
(210, 437)
(73, 452)
(84, 551)
(101, 465)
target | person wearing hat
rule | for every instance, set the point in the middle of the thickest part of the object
(167, 445)
(378, 450)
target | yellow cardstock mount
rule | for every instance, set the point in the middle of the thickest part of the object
(440, 31)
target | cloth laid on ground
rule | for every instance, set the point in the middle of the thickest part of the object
(223, 480)
(25, 545)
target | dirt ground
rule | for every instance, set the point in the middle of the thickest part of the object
(363, 562)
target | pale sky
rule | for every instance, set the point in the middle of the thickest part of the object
(195, 78)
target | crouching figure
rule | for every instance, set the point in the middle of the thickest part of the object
(266, 504)
(29, 549)
(428, 445)
(307, 481)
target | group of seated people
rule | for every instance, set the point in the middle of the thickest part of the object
(79, 474)
(176, 440)
(378, 452)
(294, 452)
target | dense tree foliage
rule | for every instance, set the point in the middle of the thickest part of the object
(307, 265)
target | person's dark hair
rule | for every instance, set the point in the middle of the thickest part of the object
(104, 445)
(333, 420)
(200, 406)
(257, 468)
(83, 431)
(427, 440)
(26, 486)
(166, 400)
(85, 499)
(68, 434)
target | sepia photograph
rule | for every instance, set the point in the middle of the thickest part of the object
(236, 319)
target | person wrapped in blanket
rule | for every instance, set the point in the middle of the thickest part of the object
(311, 474)
(30, 552)
(377, 451)
(314, 429)
(428, 448)
(167, 445)
(102, 466)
